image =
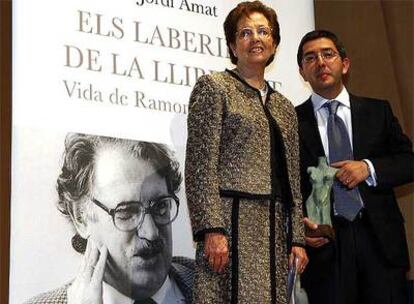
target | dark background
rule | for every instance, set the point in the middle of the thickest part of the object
(378, 35)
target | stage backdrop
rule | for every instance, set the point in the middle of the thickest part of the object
(121, 69)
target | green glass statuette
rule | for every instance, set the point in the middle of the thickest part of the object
(318, 204)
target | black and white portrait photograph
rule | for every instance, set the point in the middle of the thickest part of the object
(114, 206)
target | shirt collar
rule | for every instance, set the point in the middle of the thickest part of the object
(160, 295)
(113, 296)
(318, 101)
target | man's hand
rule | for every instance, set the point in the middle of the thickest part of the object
(87, 287)
(314, 241)
(298, 256)
(351, 172)
(216, 251)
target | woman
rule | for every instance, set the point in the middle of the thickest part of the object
(242, 171)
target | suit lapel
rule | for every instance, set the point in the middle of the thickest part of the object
(360, 134)
(183, 277)
(309, 132)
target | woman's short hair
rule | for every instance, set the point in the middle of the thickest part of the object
(245, 9)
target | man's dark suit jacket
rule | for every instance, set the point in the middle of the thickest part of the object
(376, 136)
(182, 272)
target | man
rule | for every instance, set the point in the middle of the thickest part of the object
(120, 196)
(360, 136)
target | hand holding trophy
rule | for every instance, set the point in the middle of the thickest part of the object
(318, 203)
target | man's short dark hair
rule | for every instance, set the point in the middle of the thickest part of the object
(245, 9)
(316, 34)
(75, 180)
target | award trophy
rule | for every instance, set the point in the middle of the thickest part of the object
(318, 203)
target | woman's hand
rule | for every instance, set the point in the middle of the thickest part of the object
(87, 287)
(298, 255)
(216, 251)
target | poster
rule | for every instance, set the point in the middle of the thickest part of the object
(121, 70)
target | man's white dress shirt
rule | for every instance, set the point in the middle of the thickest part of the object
(344, 112)
(169, 293)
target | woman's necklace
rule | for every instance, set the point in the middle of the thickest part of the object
(263, 90)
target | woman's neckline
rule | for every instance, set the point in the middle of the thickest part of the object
(260, 89)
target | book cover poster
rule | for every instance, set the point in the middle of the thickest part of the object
(122, 71)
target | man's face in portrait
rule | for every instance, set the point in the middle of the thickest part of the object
(138, 260)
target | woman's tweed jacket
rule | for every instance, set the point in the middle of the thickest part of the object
(240, 157)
